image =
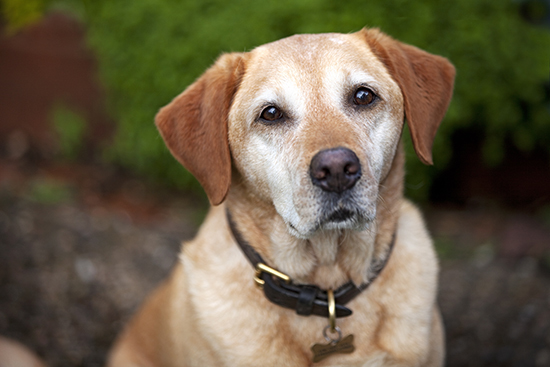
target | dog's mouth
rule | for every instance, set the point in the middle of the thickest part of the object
(340, 215)
(344, 218)
(352, 210)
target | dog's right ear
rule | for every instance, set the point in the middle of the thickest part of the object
(194, 125)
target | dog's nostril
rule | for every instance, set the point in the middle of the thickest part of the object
(322, 173)
(335, 170)
(351, 169)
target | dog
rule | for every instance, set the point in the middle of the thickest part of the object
(309, 255)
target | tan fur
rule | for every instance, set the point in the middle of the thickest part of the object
(210, 313)
(13, 354)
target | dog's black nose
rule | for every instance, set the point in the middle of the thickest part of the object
(335, 170)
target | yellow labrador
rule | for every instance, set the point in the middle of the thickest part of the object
(310, 254)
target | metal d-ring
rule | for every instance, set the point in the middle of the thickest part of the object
(331, 311)
(332, 320)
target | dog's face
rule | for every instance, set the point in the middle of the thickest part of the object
(313, 128)
(310, 122)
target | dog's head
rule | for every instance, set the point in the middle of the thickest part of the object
(310, 122)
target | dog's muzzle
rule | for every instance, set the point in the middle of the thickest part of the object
(336, 171)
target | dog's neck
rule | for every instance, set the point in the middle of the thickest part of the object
(330, 258)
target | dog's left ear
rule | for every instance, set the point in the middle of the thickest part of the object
(426, 81)
(194, 125)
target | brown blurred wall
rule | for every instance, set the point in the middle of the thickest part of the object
(40, 67)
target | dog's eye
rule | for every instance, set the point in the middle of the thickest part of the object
(271, 113)
(364, 96)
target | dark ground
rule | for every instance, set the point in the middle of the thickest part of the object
(78, 255)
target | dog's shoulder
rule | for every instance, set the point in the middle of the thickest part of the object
(411, 223)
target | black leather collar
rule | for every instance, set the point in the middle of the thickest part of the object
(306, 299)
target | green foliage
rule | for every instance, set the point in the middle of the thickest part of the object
(150, 50)
(70, 128)
(21, 13)
(49, 191)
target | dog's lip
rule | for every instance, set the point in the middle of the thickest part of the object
(340, 218)
(340, 215)
(292, 226)
(341, 208)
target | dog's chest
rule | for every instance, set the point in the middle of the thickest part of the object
(246, 328)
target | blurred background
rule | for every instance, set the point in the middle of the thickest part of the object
(93, 207)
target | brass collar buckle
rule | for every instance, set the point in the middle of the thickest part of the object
(263, 268)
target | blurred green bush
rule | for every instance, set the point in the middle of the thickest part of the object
(21, 13)
(150, 50)
(70, 128)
